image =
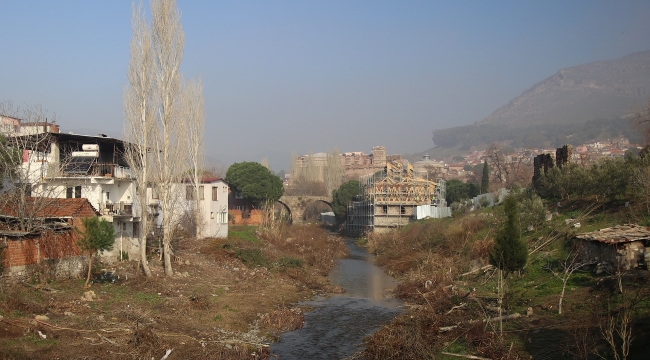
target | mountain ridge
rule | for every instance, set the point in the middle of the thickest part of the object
(606, 89)
(566, 107)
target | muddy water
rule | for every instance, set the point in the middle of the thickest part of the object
(336, 326)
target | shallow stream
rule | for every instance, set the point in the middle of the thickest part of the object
(336, 326)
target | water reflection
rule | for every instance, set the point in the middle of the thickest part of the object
(337, 325)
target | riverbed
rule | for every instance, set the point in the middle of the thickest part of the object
(336, 326)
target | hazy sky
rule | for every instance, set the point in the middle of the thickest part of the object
(300, 76)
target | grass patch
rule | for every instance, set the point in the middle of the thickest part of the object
(150, 299)
(245, 233)
(288, 262)
(228, 308)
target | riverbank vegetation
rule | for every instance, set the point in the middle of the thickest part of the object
(228, 300)
(557, 306)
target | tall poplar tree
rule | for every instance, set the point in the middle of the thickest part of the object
(139, 121)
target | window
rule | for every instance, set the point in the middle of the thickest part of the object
(223, 217)
(123, 226)
(215, 193)
(154, 192)
(136, 229)
(201, 193)
(211, 215)
(189, 192)
(74, 192)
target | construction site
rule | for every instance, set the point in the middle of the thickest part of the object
(393, 197)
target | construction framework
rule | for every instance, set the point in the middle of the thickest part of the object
(389, 198)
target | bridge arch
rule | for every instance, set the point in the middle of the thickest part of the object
(296, 205)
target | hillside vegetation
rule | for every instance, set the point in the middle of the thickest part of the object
(453, 292)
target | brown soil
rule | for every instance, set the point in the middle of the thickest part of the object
(214, 307)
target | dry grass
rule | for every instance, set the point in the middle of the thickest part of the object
(216, 307)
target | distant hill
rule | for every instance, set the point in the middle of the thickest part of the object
(574, 100)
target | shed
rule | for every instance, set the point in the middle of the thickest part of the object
(626, 245)
(50, 242)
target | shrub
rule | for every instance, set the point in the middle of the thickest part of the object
(252, 257)
(509, 252)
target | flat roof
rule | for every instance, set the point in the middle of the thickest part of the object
(619, 234)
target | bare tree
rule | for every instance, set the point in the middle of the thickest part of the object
(640, 183)
(642, 120)
(26, 162)
(168, 41)
(265, 163)
(509, 169)
(569, 266)
(311, 176)
(194, 124)
(334, 172)
(139, 121)
(497, 163)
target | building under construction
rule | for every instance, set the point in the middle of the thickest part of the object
(394, 197)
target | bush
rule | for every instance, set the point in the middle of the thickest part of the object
(288, 262)
(252, 258)
(509, 252)
(533, 211)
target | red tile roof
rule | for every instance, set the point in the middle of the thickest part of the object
(50, 207)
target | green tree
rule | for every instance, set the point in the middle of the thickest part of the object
(509, 252)
(342, 196)
(485, 180)
(254, 182)
(458, 190)
(97, 235)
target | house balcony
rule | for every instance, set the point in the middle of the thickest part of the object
(121, 209)
(89, 169)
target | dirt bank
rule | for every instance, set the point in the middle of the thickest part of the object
(228, 299)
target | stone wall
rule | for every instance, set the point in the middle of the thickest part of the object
(70, 267)
(629, 255)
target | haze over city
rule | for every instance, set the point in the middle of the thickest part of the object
(290, 76)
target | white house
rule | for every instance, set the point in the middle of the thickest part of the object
(59, 165)
(213, 205)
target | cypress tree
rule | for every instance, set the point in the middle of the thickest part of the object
(97, 235)
(509, 252)
(485, 180)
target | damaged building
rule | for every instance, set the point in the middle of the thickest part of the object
(627, 246)
(40, 235)
(394, 197)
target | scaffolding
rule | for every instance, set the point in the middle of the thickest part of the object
(388, 198)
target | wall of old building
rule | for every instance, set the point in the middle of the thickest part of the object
(629, 255)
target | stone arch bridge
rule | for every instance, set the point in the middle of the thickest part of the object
(296, 205)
